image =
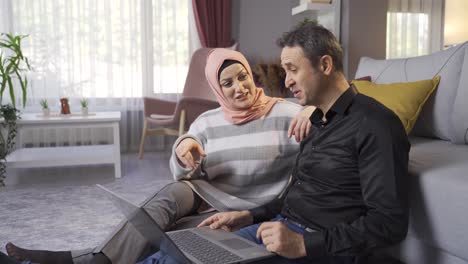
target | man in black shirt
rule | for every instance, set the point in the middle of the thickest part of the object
(348, 194)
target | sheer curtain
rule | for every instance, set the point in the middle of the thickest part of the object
(414, 27)
(111, 52)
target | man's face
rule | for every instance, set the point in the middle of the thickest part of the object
(304, 81)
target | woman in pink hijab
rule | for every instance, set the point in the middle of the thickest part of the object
(240, 100)
(233, 158)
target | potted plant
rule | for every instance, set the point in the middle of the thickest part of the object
(84, 107)
(13, 67)
(45, 107)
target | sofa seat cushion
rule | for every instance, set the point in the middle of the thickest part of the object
(439, 194)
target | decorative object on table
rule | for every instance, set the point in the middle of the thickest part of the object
(45, 107)
(84, 106)
(270, 76)
(65, 107)
(13, 67)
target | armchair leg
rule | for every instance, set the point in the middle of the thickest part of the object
(182, 122)
(143, 136)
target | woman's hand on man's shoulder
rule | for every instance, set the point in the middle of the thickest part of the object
(300, 124)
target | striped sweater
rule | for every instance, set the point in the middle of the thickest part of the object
(247, 165)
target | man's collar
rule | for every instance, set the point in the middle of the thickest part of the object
(339, 107)
(316, 118)
(344, 101)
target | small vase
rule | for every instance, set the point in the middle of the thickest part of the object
(46, 111)
(84, 111)
(65, 107)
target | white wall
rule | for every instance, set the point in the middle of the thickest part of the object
(257, 24)
(455, 30)
(363, 32)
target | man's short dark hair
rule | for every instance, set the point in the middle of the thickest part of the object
(316, 41)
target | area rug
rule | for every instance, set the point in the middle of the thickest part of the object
(66, 217)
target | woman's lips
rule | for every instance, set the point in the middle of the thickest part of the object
(241, 97)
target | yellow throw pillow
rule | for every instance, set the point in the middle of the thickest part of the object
(405, 99)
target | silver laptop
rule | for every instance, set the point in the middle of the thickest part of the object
(194, 245)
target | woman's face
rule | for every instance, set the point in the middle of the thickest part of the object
(237, 86)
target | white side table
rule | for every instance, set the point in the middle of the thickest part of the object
(68, 155)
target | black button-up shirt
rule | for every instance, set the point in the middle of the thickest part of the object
(350, 179)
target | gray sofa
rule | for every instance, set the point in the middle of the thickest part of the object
(438, 231)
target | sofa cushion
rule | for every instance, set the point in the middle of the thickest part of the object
(439, 194)
(415, 251)
(405, 99)
(436, 117)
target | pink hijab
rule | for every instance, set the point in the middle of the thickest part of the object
(262, 103)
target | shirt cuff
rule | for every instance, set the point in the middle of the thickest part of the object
(256, 214)
(315, 244)
(259, 214)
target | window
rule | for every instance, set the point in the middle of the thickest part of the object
(414, 27)
(171, 45)
(103, 49)
(407, 34)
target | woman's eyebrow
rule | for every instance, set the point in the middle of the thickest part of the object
(234, 75)
(225, 80)
(239, 72)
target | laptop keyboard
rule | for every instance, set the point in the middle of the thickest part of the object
(201, 248)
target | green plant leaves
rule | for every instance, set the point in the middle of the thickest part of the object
(10, 115)
(12, 62)
(12, 91)
(12, 66)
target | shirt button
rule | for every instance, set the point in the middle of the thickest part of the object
(313, 147)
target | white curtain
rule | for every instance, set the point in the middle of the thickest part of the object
(414, 27)
(111, 52)
(194, 37)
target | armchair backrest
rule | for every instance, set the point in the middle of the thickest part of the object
(196, 84)
(445, 114)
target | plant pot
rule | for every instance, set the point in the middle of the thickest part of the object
(46, 111)
(84, 110)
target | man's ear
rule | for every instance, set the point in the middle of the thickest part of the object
(326, 64)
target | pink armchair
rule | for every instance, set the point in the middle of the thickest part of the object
(173, 118)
